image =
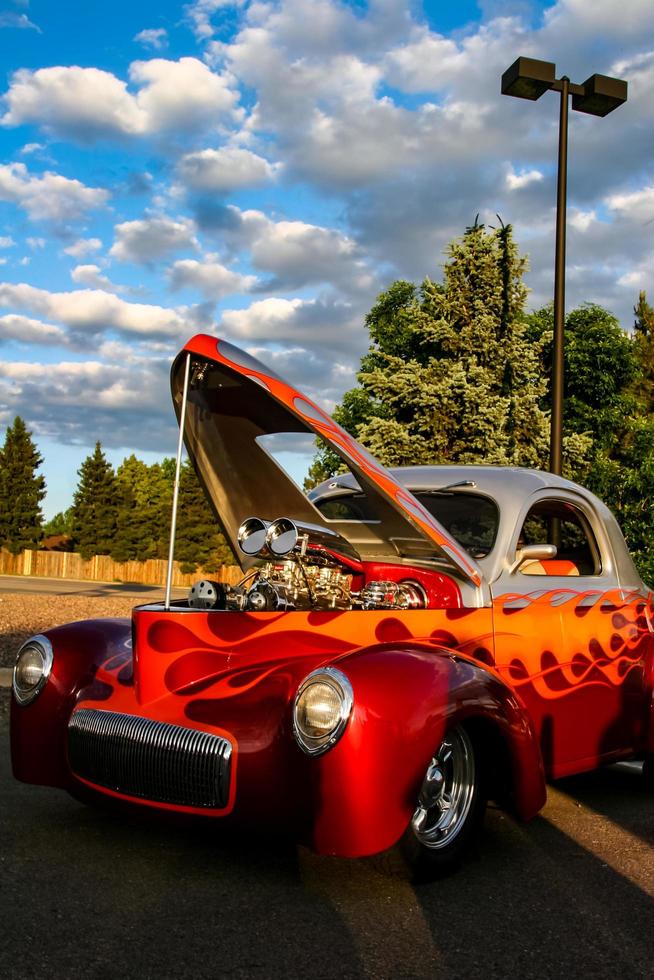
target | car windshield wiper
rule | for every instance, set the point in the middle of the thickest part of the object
(448, 488)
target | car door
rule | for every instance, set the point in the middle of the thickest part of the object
(568, 639)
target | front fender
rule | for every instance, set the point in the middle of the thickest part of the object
(365, 789)
(38, 730)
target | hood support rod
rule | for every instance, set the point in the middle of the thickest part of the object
(178, 467)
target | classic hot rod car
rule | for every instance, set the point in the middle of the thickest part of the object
(403, 644)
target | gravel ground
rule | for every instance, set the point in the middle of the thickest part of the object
(21, 616)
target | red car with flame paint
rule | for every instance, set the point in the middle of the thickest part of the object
(403, 644)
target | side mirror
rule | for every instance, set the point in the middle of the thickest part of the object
(533, 552)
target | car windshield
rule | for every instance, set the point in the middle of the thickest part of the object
(470, 518)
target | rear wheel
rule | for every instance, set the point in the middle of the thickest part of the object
(451, 806)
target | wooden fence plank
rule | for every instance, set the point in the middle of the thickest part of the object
(101, 568)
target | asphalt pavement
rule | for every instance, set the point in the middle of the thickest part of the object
(84, 891)
(65, 586)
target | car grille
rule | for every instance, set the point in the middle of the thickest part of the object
(148, 759)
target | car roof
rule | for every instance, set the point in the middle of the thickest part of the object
(497, 481)
(510, 487)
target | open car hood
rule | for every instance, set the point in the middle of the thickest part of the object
(233, 400)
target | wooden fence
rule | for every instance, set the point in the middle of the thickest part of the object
(102, 568)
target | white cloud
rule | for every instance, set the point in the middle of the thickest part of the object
(582, 220)
(153, 37)
(13, 326)
(49, 197)
(92, 277)
(200, 12)
(89, 103)
(636, 205)
(181, 95)
(517, 181)
(94, 311)
(267, 319)
(97, 399)
(36, 243)
(427, 63)
(32, 148)
(225, 169)
(604, 17)
(214, 280)
(296, 253)
(82, 247)
(6, 241)
(21, 21)
(319, 324)
(148, 239)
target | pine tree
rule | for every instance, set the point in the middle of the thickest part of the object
(450, 375)
(133, 539)
(644, 344)
(95, 506)
(61, 523)
(21, 490)
(198, 540)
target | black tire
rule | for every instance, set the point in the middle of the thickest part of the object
(648, 772)
(451, 806)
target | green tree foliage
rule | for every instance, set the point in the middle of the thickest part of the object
(21, 490)
(95, 507)
(198, 540)
(61, 523)
(644, 344)
(608, 402)
(451, 374)
(144, 498)
(601, 366)
(127, 513)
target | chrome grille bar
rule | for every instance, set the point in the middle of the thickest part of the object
(149, 759)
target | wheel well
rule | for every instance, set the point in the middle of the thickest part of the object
(493, 752)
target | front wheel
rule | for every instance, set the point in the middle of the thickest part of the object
(450, 808)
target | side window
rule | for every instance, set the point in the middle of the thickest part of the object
(564, 525)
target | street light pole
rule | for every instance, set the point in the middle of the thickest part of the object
(599, 95)
(556, 424)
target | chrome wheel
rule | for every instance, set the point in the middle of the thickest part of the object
(447, 793)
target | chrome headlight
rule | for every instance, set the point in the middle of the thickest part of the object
(33, 666)
(322, 707)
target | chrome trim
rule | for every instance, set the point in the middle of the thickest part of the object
(339, 682)
(252, 536)
(149, 759)
(448, 790)
(26, 697)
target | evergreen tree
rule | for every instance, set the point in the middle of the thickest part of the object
(198, 540)
(162, 478)
(450, 375)
(95, 506)
(21, 490)
(644, 351)
(61, 523)
(133, 539)
(144, 506)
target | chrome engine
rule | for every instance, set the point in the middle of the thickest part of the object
(307, 568)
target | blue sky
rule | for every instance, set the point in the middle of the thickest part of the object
(262, 170)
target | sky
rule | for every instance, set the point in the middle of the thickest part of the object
(261, 171)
